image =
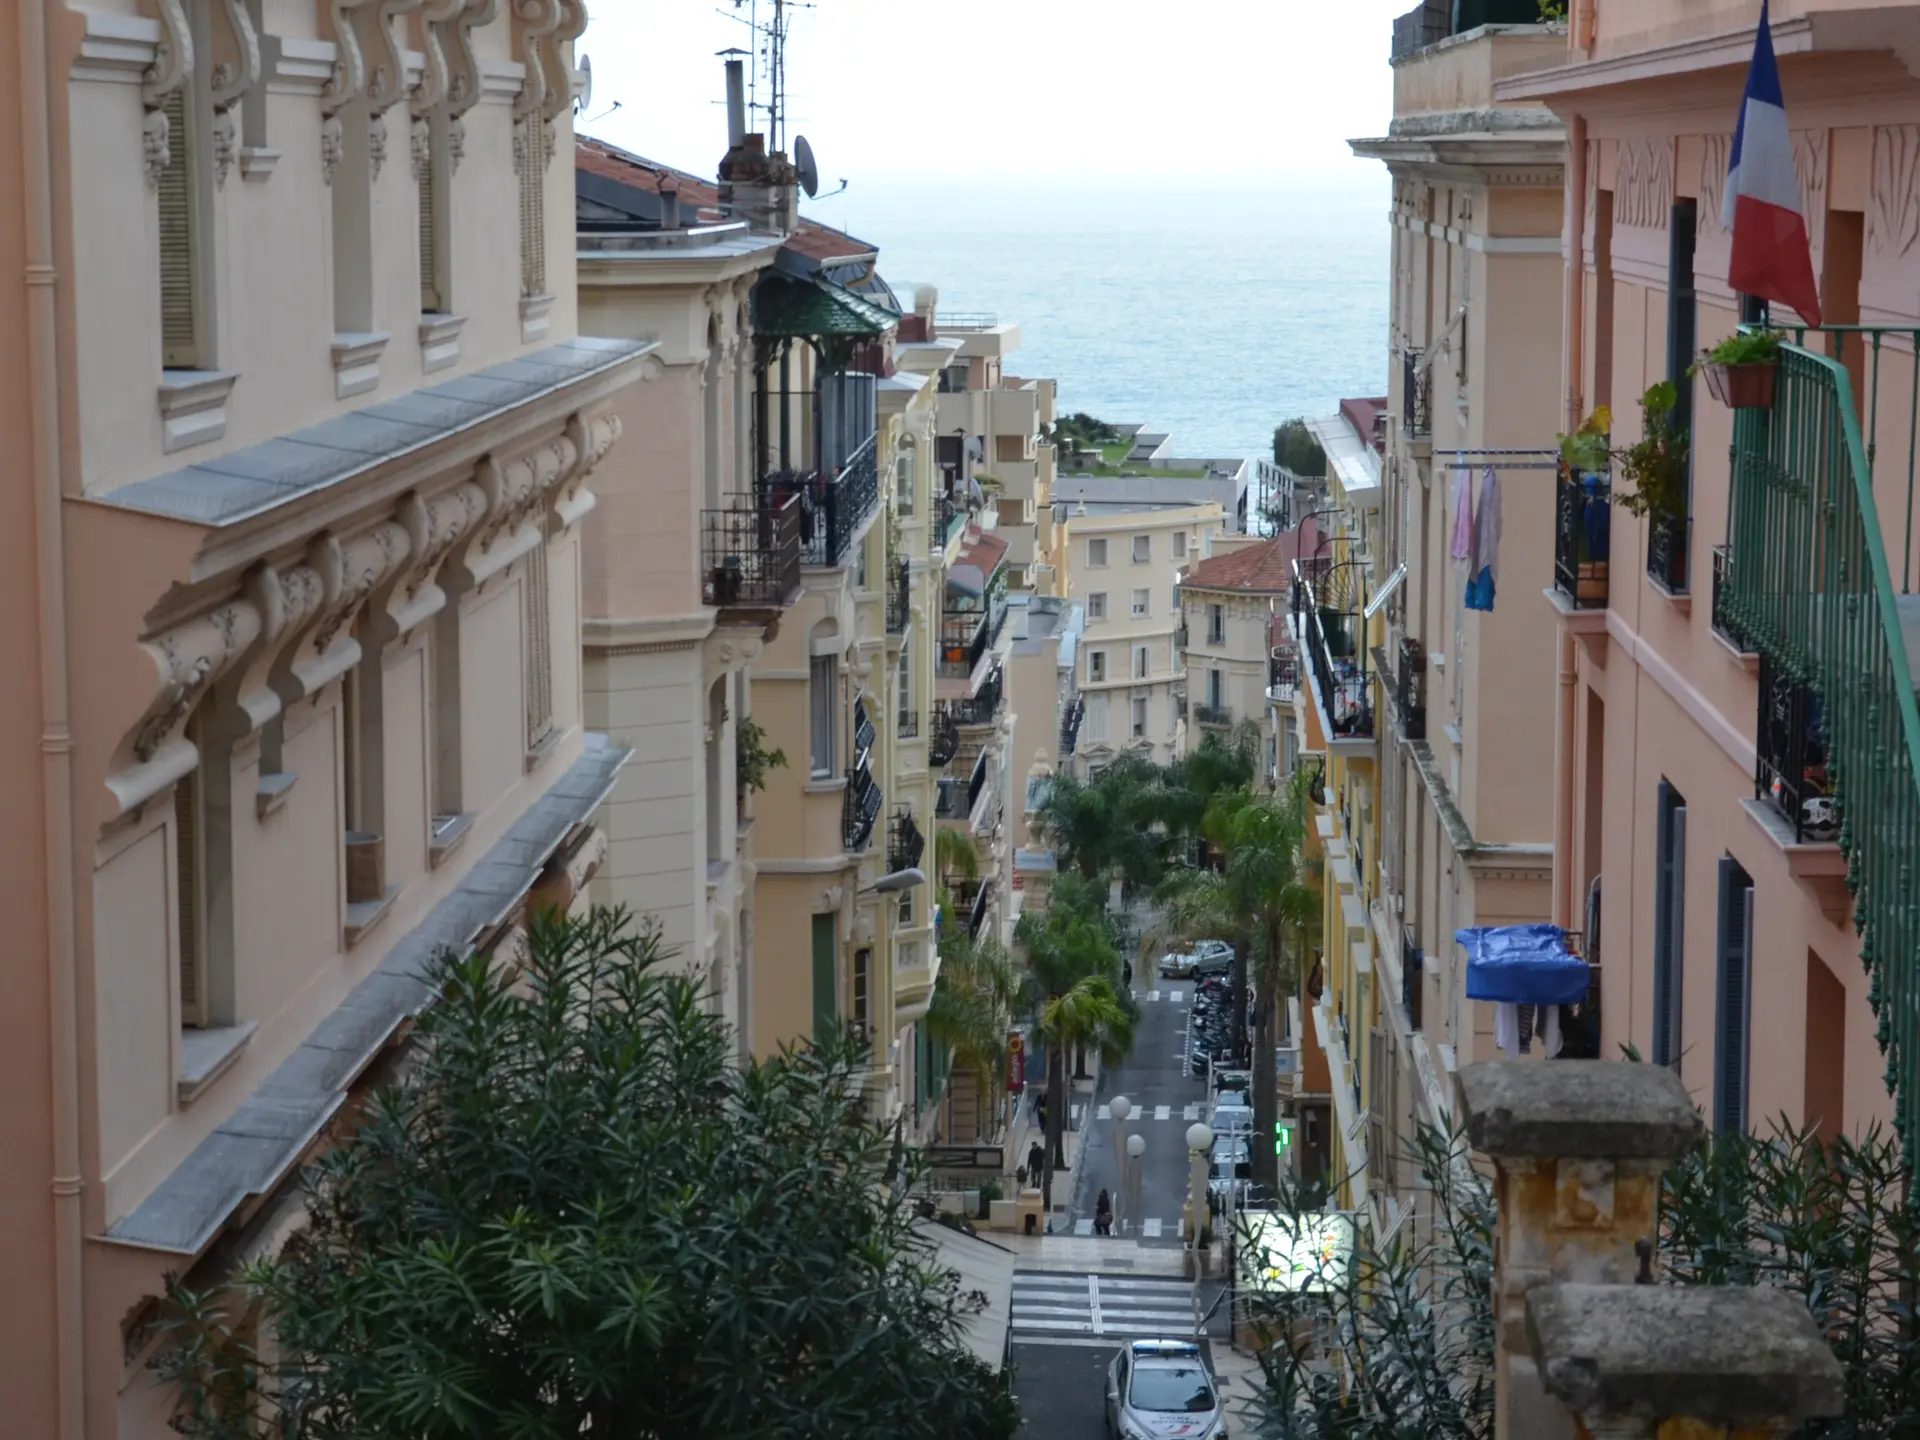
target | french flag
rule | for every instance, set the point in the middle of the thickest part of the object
(1772, 257)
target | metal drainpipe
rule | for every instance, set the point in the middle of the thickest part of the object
(1576, 211)
(56, 739)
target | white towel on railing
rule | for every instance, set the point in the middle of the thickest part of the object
(1461, 546)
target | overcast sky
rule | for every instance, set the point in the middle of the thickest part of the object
(1062, 91)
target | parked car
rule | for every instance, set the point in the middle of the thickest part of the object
(1159, 1388)
(1217, 961)
(1176, 965)
(1232, 1120)
(1213, 950)
(1229, 1172)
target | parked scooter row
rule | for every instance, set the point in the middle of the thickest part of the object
(1210, 1030)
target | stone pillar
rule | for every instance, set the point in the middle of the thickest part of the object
(1579, 1148)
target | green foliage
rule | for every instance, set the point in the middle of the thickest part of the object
(1408, 1327)
(1745, 347)
(1656, 463)
(1115, 826)
(1586, 452)
(752, 759)
(973, 1006)
(1085, 429)
(574, 1215)
(1295, 449)
(1552, 10)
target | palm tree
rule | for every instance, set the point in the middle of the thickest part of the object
(1089, 1012)
(972, 1009)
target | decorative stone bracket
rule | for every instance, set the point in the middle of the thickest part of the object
(171, 67)
(288, 632)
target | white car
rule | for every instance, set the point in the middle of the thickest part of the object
(1232, 1119)
(1176, 966)
(1213, 950)
(1161, 1388)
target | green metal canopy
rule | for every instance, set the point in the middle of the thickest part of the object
(789, 308)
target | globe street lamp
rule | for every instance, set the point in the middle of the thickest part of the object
(1136, 1147)
(1120, 1108)
(1199, 1141)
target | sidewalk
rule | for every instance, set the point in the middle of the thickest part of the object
(1241, 1379)
(1026, 1129)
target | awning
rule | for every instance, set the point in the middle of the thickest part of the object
(985, 1269)
(1385, 592)
(784, 307)
(1523, 965)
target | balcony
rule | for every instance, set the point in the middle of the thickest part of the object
(906, 725)
(1791, 771)
(949, 519)
(1213, 717)
(1416, 396)
(967, 637)
(905, 843)
(1283, 676)
(1582, 530)
(1336, 662)
(983, 706)
(1669, 539)
(1410, 689)
(750, 555)
(1432, 21)
(1724, 624)
(1412, 979)
(1070, 725)
(859, 808)
(944, 743)
(899, 596)
(835, 504)
(950, 799)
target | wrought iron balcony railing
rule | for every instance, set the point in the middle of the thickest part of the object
(1724, 625)
(1283, 675)
(905, 843)
(750, 554)
(834, 504)
(944, 741)
(1791, 771)
(899, 595)
(1417, 395)
(1582, 530)
(976, 782)
(1413, 987)
(977, 912)
(950, 799)
(1669, 538)
(1410, 689)
(859, 808)
(983, 706)
(907, 724)
(1214, 717)
(1336, 659)
(949, 518)
(1070, 725)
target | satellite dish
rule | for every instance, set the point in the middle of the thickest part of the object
(585, 97)
(803, 165)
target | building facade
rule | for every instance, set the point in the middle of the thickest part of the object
(1463, 719)
(1123, 569)
(1730, 780)
(296, 593)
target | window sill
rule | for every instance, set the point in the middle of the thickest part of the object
(534, 310)
(1681, 600)
(364, 917)
(440, 341)
(1748, 660)
(193, 407)
(449, 834)
(540, 750)
(273, 793)
(824, 785)
(257, 163)
(1817, 864)
(356, 363)
(207, 1054)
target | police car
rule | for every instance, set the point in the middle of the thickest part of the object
(1162, 1390)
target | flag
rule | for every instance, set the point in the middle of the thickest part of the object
(1772, 257)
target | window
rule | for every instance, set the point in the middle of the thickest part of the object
(180, 273)
(1139, 662)
(188, 868)
(1139, 603)
(1096, 665)
(1139, 716)
(1142, 549)
(539, 648)
(1093, 725)
(1097, 605)
(862, 980)
(430, 170)
(822, 684)
(1097, 552)
(1669, 921)
(1734, 997)
(903, 478)
(1179, 544)
(860, 564)
(826, 999)
(1216, 624)
(529, 148)
(1215, 684)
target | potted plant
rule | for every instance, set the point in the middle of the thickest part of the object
(1586, 460)
(1655, 465)
(1740, 371)
(752, 759)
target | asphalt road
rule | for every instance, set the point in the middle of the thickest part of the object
(1165, 1103)
(1062, 1390)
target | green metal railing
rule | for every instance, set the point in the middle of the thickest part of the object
(1813, 590)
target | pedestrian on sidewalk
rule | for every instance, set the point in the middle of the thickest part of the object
(1036, 1160)
(1103, 1215)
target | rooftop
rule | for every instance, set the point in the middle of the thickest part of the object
(1263, 569)
(1150, 492)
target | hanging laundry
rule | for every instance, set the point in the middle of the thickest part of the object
(1506, 1028)
(1461, 547)
(1483, 566)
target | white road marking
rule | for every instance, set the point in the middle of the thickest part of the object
(1178, 997)
(1083, 1227)
(1150, 1229)
(1160, 1112)
(1054, 1308)
(1093, 1303)
(1192, 1112)
(1153, 995)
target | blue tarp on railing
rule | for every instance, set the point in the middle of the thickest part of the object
(1522, 965)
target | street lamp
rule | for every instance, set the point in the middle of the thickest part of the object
(1136, 1147)
(1119, 1107)
(1199, 1141)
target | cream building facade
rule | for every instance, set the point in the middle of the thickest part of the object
(295, 600)
(1123, 569)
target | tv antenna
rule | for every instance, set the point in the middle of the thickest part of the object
(769, 61)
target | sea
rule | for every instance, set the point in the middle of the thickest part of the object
(1212, 316)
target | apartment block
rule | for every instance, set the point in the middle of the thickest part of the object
(306, 438)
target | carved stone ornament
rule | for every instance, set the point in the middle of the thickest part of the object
(226, 146)
(376, 144)
(463, 72)
(540, 22)
(236, 73)
(333, 147)
(1894, 220)
(420, 145)
(447, 518)
(363, 562)
(172, 64)
(156, 147)
(189, 658)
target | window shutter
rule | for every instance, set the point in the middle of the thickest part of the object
(539, 647)
(1669, 924)
(533, 218)
(186, 833)
(1734, 999)
(179, 297)
(432, 302)
(826, 1004)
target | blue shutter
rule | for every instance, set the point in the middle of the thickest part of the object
(826, 1002)
(1734, 1000)
(1669, 923)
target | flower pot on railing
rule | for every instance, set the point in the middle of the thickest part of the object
(1741, 387)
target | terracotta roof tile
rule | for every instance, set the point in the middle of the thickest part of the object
(812, 239)
(1266, 568)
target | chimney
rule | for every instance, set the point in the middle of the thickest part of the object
(670, 202)
(736, 104)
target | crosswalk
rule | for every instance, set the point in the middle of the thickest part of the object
(1172, 997)
(1100, 1305)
